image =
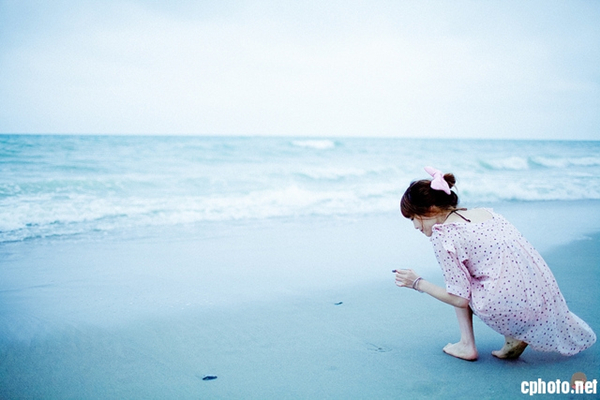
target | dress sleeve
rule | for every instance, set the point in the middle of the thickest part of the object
(451, 260)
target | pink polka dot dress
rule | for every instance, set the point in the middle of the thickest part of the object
(509, 285)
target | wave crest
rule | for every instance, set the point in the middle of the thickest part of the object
(315, 144)
(510, 163)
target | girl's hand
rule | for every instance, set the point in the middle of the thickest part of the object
(405, 277)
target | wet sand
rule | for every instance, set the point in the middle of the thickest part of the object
(293, 310)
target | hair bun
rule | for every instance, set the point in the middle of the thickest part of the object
(450, 179)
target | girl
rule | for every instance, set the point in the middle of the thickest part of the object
(492, 271)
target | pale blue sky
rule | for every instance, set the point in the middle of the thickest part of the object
(485, 69)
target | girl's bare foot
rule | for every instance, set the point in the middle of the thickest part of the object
(512, 348)
(461, 350)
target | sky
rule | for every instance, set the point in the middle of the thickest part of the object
(377, 68)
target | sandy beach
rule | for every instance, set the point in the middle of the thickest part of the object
(291, 309)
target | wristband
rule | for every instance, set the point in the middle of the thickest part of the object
(414, 285)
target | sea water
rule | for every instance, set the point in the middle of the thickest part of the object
(106, 291)
(82, 186)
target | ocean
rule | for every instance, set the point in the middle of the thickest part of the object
(82, 186)
(136, 266)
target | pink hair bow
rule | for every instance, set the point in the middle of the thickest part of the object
(438, 182)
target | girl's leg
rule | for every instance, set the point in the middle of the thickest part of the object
(464, 349)
(512, 348)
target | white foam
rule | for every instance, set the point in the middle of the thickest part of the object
(315, 144)
(561, 162)
(523, 190)
(585, 161)
(510, 163)
(332, 173)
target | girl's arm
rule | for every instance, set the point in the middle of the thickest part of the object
(407, 278)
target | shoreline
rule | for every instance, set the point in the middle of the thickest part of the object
(108, 320)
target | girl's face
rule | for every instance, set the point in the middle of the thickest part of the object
(425, 224)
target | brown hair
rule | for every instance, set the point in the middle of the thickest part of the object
(420, 199)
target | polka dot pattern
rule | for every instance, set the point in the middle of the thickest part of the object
(509, 285)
